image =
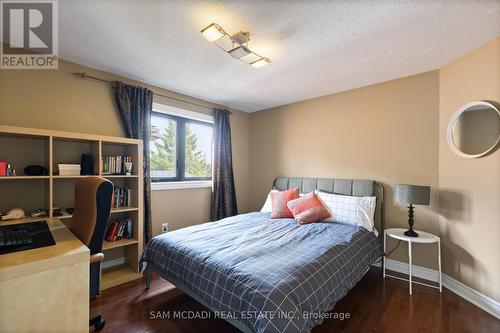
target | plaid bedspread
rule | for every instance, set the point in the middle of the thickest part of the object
(272, 275)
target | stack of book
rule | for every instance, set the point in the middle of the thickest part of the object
(69, 169)
(121, 197)
(114, 165)
(120, 229)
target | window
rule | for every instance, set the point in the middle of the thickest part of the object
(181, 148)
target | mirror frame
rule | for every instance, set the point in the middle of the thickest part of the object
(453, 122)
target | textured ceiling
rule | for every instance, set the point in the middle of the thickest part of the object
(317, 47)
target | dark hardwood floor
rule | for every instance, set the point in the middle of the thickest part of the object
(374, 305)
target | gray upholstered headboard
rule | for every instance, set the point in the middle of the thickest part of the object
(353, 187)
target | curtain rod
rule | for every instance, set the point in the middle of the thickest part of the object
(84, 76)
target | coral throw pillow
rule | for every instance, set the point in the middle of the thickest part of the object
(279, 208)
(308, 209)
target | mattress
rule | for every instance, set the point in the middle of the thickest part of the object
(272, 275)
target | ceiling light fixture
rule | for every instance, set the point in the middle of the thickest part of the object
(213, 32)
(235, 45)
(261, 62)
(239, 52)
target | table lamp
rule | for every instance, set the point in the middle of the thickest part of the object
(412, 195)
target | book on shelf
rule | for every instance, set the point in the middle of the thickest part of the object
(3, 168)
(121, 197)
(130, 229)
(69, 166)
(110, 235)
(69, 169)
(114, 165)
(69, 173)
(119, 229)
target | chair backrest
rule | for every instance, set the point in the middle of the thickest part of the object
(92, 208)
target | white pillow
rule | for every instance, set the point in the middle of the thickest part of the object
(267, 205)
(358, 211)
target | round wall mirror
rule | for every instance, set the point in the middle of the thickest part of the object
(474, 130)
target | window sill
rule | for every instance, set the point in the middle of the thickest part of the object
(165, 186)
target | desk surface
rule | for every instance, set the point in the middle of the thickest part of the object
(68, 250)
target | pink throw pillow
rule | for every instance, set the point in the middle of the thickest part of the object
(308, 209)
(279, 208)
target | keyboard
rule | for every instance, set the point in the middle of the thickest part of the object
(16, 236)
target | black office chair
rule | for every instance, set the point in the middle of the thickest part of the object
(92, 208)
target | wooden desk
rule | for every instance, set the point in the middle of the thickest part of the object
(46, 289)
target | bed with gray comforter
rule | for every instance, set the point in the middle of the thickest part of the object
(269, 275)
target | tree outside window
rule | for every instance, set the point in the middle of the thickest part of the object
(181, 149)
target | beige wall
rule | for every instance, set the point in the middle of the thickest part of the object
(470, 188)
(54, 99)
(387, 132)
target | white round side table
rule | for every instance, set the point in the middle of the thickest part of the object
(423, 238)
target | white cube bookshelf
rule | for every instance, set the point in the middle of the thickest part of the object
(28, 146)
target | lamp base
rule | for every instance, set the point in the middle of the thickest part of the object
(411, 233)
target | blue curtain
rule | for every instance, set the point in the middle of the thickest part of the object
(134, 105)
(223, 191)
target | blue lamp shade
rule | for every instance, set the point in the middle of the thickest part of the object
(412, 194)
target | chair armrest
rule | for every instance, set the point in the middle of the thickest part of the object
(97, 257)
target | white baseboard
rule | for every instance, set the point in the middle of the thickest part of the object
(482, 301)
(113, 263)
(418, 271)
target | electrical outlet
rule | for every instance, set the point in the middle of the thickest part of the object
(164, 228)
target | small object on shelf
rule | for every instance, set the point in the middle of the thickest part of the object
(38, 213)
(35, 170)
(14, 172)
(56, 211)
(14, 214)
(3, 168)
(9, 170)
(87, 164)
(70, 211)
(128, 168)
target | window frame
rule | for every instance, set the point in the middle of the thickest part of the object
(180, 146)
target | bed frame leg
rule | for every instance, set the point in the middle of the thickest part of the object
(148, 278)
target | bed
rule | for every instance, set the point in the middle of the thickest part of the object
(265, 275)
